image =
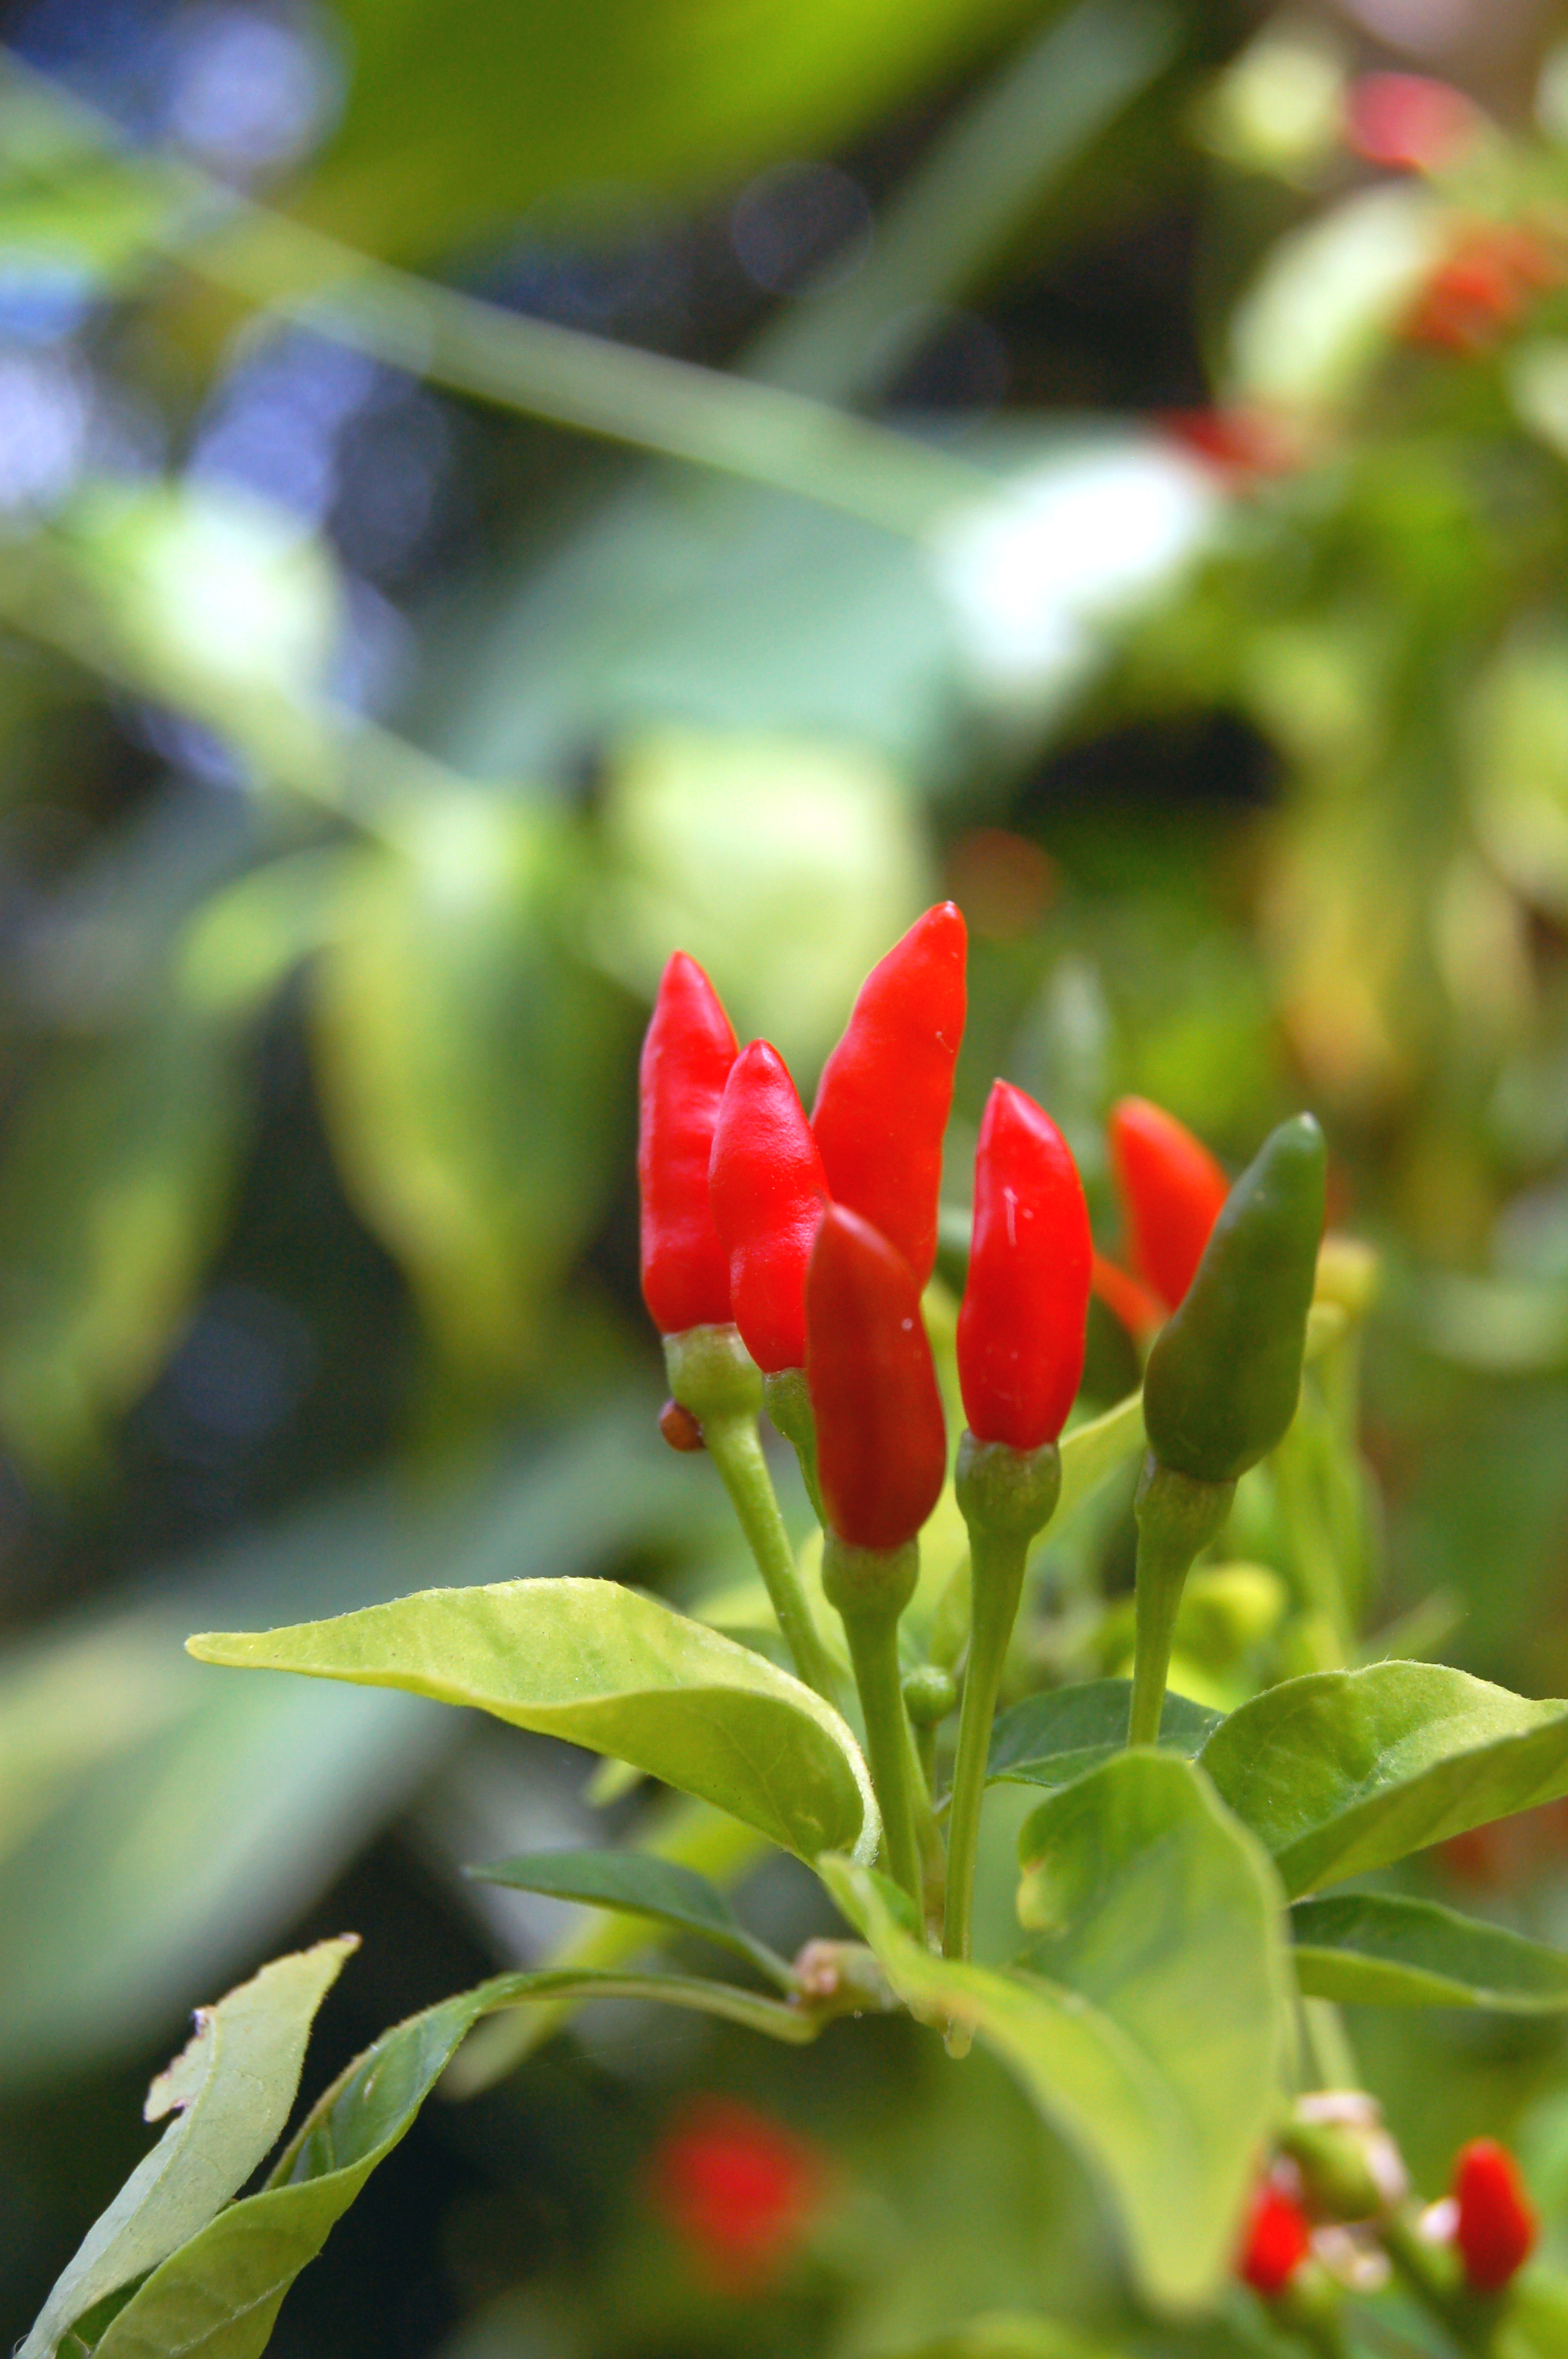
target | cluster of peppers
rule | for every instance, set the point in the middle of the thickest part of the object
(1336, 2209)
(784, 1261)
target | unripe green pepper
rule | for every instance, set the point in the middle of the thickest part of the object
(1225, 1372)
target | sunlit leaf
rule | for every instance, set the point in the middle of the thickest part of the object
(230, 2091)
(1345, 1771)
(786, 865)
(114, 1183)
(613, 1669)
(1367, 1949)
(1150, 1902)
(468, 1066)
(165, 1824)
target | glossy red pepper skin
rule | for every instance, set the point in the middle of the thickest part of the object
(686, 1056)
(882, 1105)
(1497, 2225)
(768, 1193)
(1278, 2239)
(1022, 1327)
(882, 1440)
(1172, 1190)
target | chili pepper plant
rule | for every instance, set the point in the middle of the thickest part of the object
(1193, 1898)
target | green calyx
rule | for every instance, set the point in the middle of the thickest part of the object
(874, 1582)
(712, 1374)
(1006, 1491)
(1225, 1372)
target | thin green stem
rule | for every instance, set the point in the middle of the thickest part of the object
(763, 433)
(927, 1833)
(1177, 1516)
(983, 177)
(1162, 1574)
(998, 1561)
(872, 1633)
(788, 1404)
(735, 1449)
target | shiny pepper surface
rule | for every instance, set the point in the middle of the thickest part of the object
(1225, 1372)
(882, 1108)
(1022, 1327)
(1278, 2241)
(768, 1194)
(1170, 1189)
(880, 1438)
(687, 1057)
(1495, 2228)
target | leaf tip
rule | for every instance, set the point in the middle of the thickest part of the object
(227, 1647)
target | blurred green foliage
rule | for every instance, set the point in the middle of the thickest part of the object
(371, 737)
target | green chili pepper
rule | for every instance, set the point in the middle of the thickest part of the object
(1226, 1369)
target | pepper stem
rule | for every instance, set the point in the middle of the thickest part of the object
(713, 1375)
(871, 1588)
(735, 1449)
(1006, 1496)
(788, 1403)
(1177, 1516)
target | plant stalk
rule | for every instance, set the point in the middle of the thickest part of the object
(736, 1451)
(997, 1562)
(871, 1588)
(1177, 1516)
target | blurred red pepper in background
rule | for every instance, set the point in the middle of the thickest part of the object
(1495, 2228)
(1278, 2240)
(881, 1107)
(881, 1440)
(738, 2188)
(1408, 123)
(1171, 1189)
(768, 1193)
(686, 1056)
(1482, 286)
(1021, 1326)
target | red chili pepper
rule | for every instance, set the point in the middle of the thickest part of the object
(881, 1442)
(1170, 1189)
(687, 1057)
(738, 2188)
(1278, 2240)
(1496, 2226)
(768, 1193)
(1022, 1327)
(882, 1108)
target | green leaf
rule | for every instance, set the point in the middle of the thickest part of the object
(159, 1826)
(114, 1187)
(468, 1066)
(1372, 1949)
(641, 1884)
(1148, 2018)
(1093, 1452)
(1345, 1771)
(608, 99)
(1054, 1736)
(219, 2296)
(230, 2091)
(613, 1670)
